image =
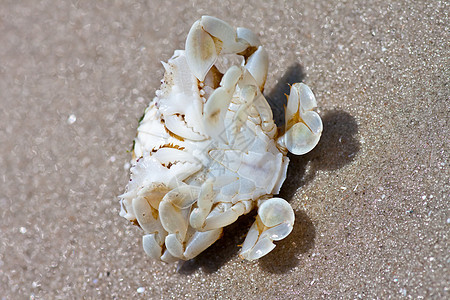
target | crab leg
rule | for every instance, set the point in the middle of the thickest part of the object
(200, 241)
(273, 223)
(247, 95)
(258, 64)
(303, 125)
(225, 214)
(265, 113)
(144, 211)
(174, 214)
(152, 245)
(176, 222)
(204, 204)
(217, 105)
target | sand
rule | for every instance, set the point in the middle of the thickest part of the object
(371, 200)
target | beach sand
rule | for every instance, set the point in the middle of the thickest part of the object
(371, 201)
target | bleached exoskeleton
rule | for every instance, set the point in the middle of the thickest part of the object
(208, 151)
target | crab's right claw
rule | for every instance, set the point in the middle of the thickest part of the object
(273, 223)
(303, 125)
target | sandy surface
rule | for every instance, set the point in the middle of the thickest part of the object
(371, 200)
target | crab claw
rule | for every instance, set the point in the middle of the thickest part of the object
(201, 51)
(303, 125)
(273, 223)
(209, 37)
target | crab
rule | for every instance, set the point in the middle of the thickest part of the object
(207, 149)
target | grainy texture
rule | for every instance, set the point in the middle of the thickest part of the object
(371, 200)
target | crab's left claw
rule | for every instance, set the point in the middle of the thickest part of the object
(201, 51)
(274, 222)
(303, 125)
(208, 38)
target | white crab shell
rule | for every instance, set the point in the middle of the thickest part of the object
(208, 150)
